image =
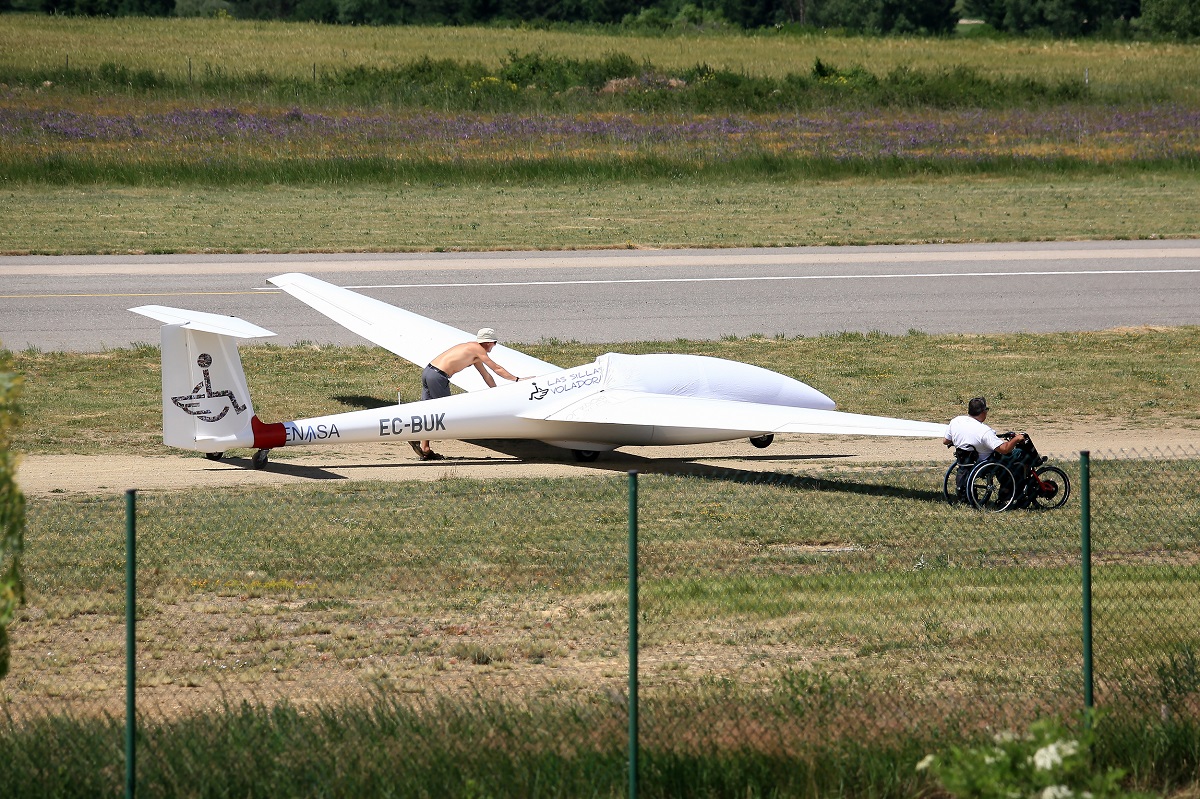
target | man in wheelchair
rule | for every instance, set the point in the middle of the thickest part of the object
(974, 441)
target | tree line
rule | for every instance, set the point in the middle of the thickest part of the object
(1063, 18)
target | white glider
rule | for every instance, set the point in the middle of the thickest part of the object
(617, 400)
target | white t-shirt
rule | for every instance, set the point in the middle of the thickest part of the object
(966, 430)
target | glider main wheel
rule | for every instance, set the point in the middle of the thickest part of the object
(991, 487)
(259, 461)
(214, 456)
(585, 455)
(762, 442)
(1054, 489)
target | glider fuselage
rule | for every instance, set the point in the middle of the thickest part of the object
(529, 409)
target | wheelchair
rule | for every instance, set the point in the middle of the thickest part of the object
(1019, 479)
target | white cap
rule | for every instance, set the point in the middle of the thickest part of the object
(485, 335)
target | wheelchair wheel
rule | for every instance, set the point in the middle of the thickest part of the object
(949, 485)
(1058, 496)
(992, 487)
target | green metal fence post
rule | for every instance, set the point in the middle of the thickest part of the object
(633, 637)
(1085, 523)
(130, 643)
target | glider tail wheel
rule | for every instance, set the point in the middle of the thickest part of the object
(214, 456)
(585, 455)
(260, 459)
(763, 441)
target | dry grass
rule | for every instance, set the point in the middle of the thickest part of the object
(864, 576)
(319, 595)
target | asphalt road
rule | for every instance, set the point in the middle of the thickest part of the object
(79, 302)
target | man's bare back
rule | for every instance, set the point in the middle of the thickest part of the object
(471, 353)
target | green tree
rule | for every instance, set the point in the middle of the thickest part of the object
(887, 16)
(12, 509)
(1058, 17)
(1177, 18)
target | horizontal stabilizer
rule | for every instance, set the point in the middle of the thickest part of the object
(203, 322)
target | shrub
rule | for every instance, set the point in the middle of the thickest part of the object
(1049, 762)
(12, 508)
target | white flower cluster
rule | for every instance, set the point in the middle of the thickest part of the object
(1062, 792)
(1050, 756)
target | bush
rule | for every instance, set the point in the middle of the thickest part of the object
(558, 73)
(1048, 762)
(12, 508)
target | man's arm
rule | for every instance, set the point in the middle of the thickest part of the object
(487, 376)
(1007, 446)
(497, 368)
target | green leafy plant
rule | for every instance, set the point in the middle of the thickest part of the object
(1049, 762)
(12, 509)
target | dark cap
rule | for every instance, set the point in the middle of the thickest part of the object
(976, 406)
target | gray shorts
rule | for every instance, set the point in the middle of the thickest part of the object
(434, 383)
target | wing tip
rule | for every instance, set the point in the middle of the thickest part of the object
(287, 277)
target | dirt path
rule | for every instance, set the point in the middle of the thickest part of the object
(57, 474)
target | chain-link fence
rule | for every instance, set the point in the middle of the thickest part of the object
(1145, 530)
(480, 628)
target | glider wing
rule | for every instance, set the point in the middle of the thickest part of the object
(639, 408)
(413, 337)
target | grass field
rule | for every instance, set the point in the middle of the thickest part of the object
(1116, 69)
(313, 594)
(691, 212)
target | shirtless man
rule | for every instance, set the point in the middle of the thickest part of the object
(435, 380)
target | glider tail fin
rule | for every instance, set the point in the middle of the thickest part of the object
(205, 398)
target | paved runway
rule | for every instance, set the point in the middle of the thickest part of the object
(79, 302)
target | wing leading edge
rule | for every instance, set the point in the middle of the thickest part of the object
(637, 408)
(413, 337)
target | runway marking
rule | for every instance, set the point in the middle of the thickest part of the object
(758, 278)
(621, 281)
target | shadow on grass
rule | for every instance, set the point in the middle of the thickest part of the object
(536, 451)
(363, 401)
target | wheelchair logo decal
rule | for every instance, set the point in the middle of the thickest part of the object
(204, 391)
